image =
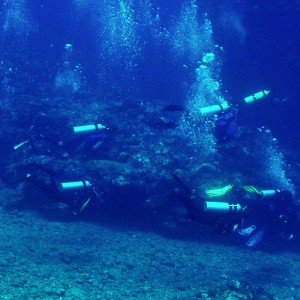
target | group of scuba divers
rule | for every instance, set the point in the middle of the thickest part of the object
(251, 212)
(76, 195)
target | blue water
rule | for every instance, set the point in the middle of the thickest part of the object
(67, 63)
(260, 43)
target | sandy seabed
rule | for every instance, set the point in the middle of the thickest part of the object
(42, 259)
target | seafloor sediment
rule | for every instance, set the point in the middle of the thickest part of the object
(42, 259)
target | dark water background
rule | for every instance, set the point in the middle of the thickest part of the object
(260, 43)
(125, 64)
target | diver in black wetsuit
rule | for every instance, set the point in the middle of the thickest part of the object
(249, 211)
(225, 125)
(53, 137)
(84, 140)
(224, 122)
(76, 195)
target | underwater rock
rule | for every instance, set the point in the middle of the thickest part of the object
(110, 166)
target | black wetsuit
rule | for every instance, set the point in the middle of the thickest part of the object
(272, 215)
(45, 180)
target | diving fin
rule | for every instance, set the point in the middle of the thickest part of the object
(182, 184)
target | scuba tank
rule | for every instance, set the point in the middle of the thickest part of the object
(214, 108)
(257, 96)
(221, 207)
(86, 129)
(74, 186)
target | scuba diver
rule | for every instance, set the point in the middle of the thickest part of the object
(224, 121)
(75, 195)
(84, 140)
(225, 125)
(251, 212)
(223, 116)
